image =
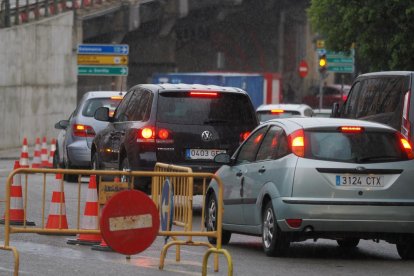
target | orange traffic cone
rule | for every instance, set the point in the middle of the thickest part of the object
(103, 246)
(57, 213)
(16, 213)
(90, 218)
(24, 155)
(52, 152)
(43, 154)
(36, 157)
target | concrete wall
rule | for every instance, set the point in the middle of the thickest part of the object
(37, 79)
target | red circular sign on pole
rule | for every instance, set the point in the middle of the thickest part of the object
(129, 222)
(303, 68)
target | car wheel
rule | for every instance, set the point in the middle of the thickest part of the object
(348, 242)
(56, 164)
(126, 168)
(69, 177)
(406, 250)
(95, 161)
(211, 221)
(275, 242)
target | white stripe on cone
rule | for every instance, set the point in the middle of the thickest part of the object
(55, 209)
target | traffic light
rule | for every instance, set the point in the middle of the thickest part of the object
(323, 64)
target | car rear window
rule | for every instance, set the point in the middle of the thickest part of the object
(364, 147)
(223, 108)
(92, 105)
(378, 99)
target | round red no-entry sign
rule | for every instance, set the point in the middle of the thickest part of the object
(129, 222)
(303, 68)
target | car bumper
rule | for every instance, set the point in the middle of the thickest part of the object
(79, 154)
(346, 216)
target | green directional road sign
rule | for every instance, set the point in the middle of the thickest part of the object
(340, 62)
(103, 70)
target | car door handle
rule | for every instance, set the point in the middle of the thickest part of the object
(241, 186)
(238, 174)
(262, 170)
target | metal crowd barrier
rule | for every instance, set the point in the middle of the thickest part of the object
(15, 12)
(182, 180)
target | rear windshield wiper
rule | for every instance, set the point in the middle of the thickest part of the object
(378, 158)
(206, 122)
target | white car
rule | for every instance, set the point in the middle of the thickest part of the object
(274, 111)
(324, 112)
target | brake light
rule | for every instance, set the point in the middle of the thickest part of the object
(277, 111)
(150, 134)
(244, 135)
(80, 130)
(163, 134)
(344, 97)
(297, 142)
(203, 94)
(406, 124)
(117, 97)
(351, 129)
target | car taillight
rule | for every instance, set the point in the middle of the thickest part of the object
(407, 147)
(297, 142)
(351, 129)
(244, 135)
(207, 94)
(344, 97)
(150, 134)
(406, 124)
(80, 130)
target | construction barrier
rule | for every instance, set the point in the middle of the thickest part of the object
(180, 178)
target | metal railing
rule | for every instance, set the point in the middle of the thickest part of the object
(15, 12)
(182, 180)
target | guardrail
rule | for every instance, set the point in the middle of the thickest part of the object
(15, 12)
(181, 179)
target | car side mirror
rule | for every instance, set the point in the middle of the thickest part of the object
(102, 114)
(222, 158)
(335, 110)
(63, 124)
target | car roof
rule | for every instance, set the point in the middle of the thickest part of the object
(387, 73)
(290, 107)
(100, 94)
(316, 122)
(184, 87)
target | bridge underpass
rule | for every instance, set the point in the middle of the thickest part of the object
(194, 36)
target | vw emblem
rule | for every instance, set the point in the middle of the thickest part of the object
(206, 136)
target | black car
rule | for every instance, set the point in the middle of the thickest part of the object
(178, 124)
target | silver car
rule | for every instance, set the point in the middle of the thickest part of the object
(307, 178)
(73, 149)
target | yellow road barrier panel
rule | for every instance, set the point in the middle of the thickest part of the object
(182, 180)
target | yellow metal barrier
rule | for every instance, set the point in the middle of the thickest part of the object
(182, 179)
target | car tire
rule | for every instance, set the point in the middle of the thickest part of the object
(406, 250)
(348, 243)
(56, 164)
(70, 177)
(211, 221)
(125, 167)
(95, 162)
(275, 242)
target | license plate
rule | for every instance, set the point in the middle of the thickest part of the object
(360, 180)
(202, 153)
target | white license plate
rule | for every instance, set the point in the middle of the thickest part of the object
(202, 153)
(360, 180)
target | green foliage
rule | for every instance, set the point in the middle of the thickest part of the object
(383, 31)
